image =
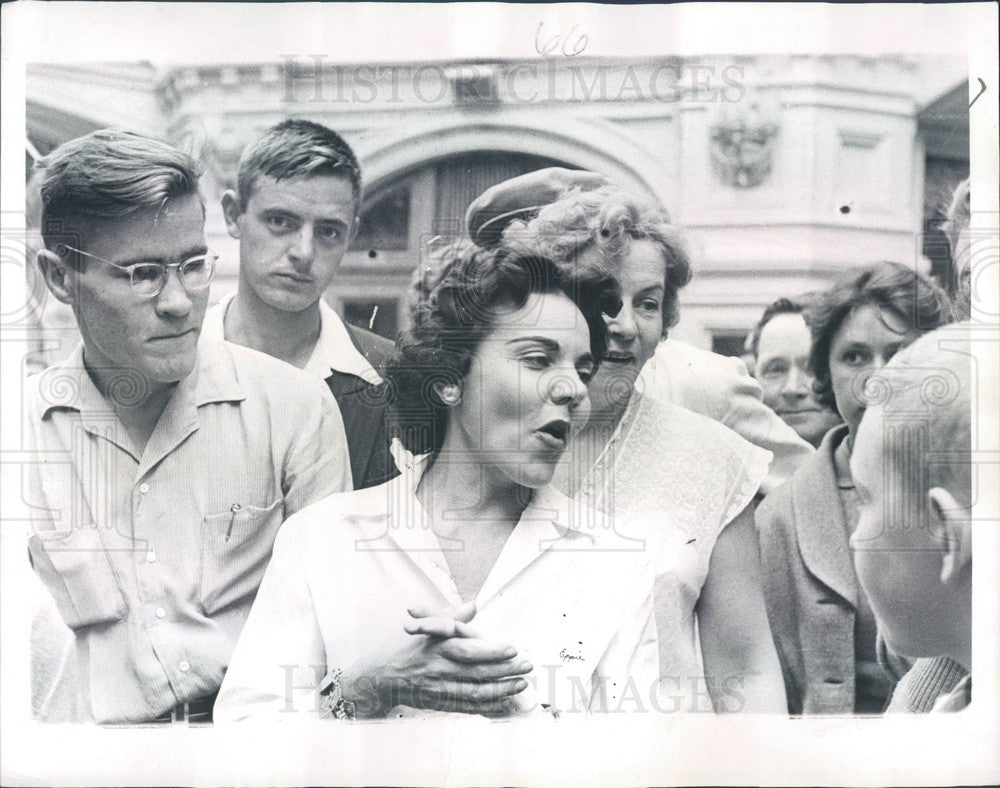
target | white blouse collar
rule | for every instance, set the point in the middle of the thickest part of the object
(547, 503)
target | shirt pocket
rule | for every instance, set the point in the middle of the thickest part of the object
(235, 549)
(81, 581)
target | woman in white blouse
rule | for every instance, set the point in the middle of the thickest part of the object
(468, 584)
(677, 480)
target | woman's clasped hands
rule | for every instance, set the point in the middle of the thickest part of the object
(438, 663)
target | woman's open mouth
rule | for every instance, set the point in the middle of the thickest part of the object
(555, 434)
(619, 357)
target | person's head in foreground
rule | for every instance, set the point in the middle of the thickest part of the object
(634, 241)
(294, 211)
(123, 226)
(912, 466)
(859, 324)
(498, 360)
(780, 345)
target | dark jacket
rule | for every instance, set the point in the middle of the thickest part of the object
(365, 408)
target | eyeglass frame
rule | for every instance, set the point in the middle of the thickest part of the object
(208, 255)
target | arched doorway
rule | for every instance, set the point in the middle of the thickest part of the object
(400, 217)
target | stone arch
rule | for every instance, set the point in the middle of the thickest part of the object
(577, 144)
(374, 279)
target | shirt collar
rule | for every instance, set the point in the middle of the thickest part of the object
(550, 521)
(214, 378)
(550, 513)
(334, 349)
(68, 385)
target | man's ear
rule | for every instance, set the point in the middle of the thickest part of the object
(231, 211)
(59, 276)
(953, 529)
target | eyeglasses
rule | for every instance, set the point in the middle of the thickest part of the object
(149, 279)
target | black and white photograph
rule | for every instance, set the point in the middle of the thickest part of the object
(483, 393)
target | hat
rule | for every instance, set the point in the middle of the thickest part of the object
(521, 198)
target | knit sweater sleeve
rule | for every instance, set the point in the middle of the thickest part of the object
(923, 684)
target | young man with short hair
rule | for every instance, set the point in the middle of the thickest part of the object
(294, 212)
(912, 548)
(169, 462)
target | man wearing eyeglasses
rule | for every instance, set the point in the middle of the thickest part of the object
(168, 463)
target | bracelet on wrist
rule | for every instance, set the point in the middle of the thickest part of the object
(331, 698)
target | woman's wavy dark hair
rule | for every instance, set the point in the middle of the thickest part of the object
(913, 298)
(450, 323)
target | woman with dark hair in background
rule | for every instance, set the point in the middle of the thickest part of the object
(468, 579)
(823, 626)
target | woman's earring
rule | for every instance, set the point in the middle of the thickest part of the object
(450, 394)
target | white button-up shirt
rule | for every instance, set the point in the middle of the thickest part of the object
(153, 557)
(345, 571)
(334, 349)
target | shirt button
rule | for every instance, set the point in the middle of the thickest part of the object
(162, 613)
(184, 666)
(150, 557)
(144, 488)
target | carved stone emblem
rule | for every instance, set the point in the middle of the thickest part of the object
(742, 147)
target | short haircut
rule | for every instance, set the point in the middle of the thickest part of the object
(607, 219)
(108, 175)
(913, 298)
(297, 149)
(783, 306)
(456, 316)
(927, 386)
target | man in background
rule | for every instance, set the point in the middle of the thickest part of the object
(295, 212)
(780, 345)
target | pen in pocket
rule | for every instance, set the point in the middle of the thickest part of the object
(232, 517)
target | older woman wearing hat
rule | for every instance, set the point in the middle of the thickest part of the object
(719, 387)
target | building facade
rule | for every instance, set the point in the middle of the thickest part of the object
(783, 170)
